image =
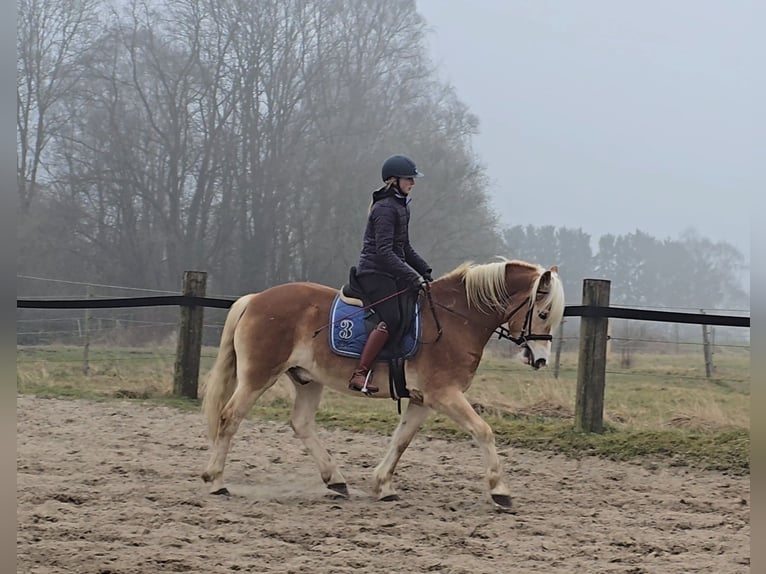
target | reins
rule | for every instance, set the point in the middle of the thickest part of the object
(439, 329)
(503, 332)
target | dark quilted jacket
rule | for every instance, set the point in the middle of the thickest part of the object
(386, 248)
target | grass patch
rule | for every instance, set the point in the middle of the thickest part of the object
(661, 409)
(723, 451)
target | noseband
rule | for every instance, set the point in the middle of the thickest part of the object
(526, 329)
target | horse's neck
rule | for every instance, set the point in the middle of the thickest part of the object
(453, 296)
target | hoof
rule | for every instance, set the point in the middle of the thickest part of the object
(390, 498)
(222, 492)
(339, 488)
(502, 501)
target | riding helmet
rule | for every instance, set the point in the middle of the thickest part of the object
(399, 166)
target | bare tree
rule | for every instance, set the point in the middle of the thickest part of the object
(245, 138)
(147, 157)
(52, 36)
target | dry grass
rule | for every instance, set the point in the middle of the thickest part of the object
(708, 413)
(125, 372)
(543, 396)
(659, 391)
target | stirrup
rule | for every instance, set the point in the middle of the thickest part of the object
(366, 389)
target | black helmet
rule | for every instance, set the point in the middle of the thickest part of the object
(399, 166)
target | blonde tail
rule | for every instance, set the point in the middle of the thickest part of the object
(222, 379)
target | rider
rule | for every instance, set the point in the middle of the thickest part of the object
(388, 264)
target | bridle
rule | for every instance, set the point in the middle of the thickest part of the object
(526, 329)
(501, 331)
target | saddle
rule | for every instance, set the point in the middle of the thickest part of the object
(352, 293)
(351, 321)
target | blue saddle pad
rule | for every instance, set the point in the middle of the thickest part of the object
(348, 332)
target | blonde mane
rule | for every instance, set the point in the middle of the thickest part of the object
(486, 289)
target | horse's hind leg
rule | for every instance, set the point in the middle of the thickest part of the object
(456, 406)
(307, 396)
(236, 409)
(409, 423)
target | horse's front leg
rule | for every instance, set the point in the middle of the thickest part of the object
(409, 423)
(456, 406)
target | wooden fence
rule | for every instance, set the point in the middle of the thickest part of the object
(594, 314)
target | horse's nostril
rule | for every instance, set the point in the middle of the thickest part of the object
(539, 363)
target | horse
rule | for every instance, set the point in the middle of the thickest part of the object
(273, 332)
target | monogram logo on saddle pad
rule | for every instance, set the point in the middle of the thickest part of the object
(348, 332)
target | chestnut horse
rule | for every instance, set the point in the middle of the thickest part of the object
(273, 332)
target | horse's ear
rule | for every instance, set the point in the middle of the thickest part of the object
(555, 269)
(545, 278)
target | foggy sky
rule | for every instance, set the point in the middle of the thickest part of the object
(612, 116)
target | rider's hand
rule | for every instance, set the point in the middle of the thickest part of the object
(419, 283)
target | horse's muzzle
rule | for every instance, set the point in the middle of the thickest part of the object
(529, 357)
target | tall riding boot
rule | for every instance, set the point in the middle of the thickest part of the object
(372, 347)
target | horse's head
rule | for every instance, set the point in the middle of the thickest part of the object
(536, 321)
(526, 297)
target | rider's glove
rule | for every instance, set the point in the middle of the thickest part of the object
(419, 283)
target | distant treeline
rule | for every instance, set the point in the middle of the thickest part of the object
(689, 272)
(243, 138)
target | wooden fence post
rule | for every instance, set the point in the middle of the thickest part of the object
(86, 335)
(559, 338)
(707, 348)
(189, 338)
(591, 362)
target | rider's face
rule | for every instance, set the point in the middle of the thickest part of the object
(406, 184)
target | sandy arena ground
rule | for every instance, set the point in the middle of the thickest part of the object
(114, 488)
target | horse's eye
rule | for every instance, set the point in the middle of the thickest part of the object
(543, 315)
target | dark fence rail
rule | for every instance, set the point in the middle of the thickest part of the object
(658, 316)
(120, 302)
(569, 311)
